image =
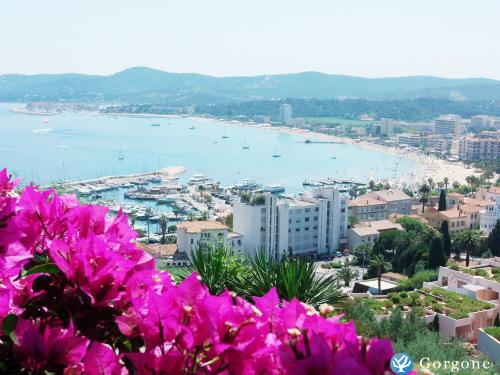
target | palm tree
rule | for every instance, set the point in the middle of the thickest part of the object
(218, 267)
(381, 265)
(424, 192)
(346, 274)
(293, 278)
(446, 181)
(163, 227)
(468, 241)
(364, 250)
(132, 217)
(148, 213)
(432, 185)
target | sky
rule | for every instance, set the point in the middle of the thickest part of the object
(370, 38)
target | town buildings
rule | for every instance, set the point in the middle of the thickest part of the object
(369, 232)
(396, 200)
(484, 146)
(448, 126)
(313, 223)
(194, 234)
(365, 209)
(491, 213)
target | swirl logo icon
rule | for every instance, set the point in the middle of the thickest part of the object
(401, 363)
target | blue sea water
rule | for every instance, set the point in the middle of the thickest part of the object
(82, 146)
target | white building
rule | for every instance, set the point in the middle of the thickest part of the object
(194, 234)
(314, 223)
(286, 114)
(491, 213)
(448, 126)
(398, 202)
(386, 127)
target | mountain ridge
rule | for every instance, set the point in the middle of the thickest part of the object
(143, 84)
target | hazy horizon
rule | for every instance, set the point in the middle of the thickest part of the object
(387, 38)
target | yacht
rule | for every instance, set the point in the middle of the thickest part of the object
(247, 184)
(245, 146)
(198, 179)
(274, 188)
(156, 124)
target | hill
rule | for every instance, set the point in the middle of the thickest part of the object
(145, 85)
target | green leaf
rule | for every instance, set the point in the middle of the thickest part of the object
(50, 268)
(9, 325)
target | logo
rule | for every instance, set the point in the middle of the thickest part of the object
(401, 363)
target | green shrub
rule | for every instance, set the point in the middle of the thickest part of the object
(493, 331)
(395, 299)
(403, 295)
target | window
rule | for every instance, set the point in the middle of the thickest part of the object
(297, 229)
(192, 241)
(307, 219)
(342, 210)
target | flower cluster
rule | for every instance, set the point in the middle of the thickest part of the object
(77, 296)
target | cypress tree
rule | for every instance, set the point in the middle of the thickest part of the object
(494, 239)
(437, 257)
(497, 321)
(435, 323)
(446, 238)
(442, 201)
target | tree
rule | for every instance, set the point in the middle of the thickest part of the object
(494, 239)
(445, 232)
(437, 258)
(456, 185)
(424, 192)
(442, 201)
(346, 274)
(446, 182)
(468, 241)
(435, 323)
(163, 227)
(148, 213)
(380, 264)
(362, 252)
(352, 220)
(133, 217)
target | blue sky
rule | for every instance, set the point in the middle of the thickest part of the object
(373, 38)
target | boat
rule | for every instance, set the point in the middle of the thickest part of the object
(245, 146)
(276, 154)
(198, 179)
(45, 120)
(192, 127)
(247, 184)
(225, 135)
(274, 188)
(156, 124)
(120, 155)
(333, 157)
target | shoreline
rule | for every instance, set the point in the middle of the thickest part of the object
(426, 166)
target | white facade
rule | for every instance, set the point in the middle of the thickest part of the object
(491, 213)
(448, 126)
(286, 114)
(315, 223)
(386, 127)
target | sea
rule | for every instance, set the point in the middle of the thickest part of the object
(80, 146)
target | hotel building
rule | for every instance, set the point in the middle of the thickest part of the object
(313, 223)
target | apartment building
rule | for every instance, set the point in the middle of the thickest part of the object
(313, 223)
(369, 232)
(194, 234)
(396, 200)
(484, 146)
(365, 209)
(448, 126)
(491, 213)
